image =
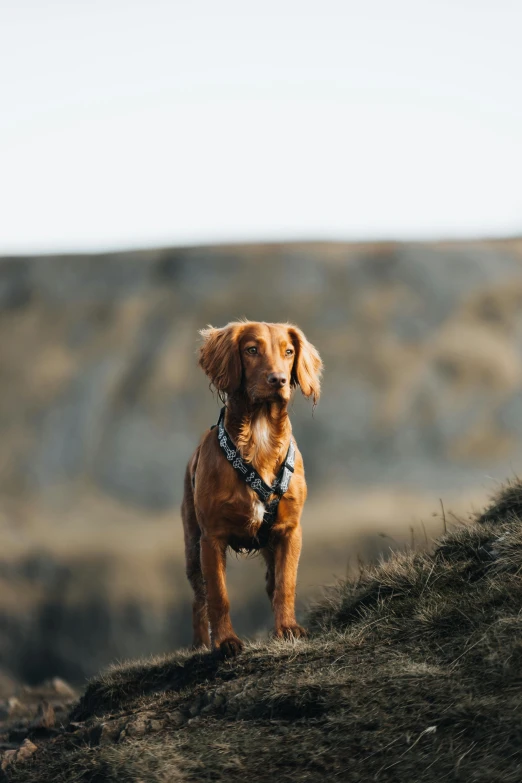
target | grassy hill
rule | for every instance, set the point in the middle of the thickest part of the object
(412, 673)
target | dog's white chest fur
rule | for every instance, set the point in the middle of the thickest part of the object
(263, 446)
(261, 433)
(258, 512)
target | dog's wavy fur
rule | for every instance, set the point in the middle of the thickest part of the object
(254, 367)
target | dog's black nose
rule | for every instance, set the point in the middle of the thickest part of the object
(277, 379)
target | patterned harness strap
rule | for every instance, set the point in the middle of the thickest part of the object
(250, 475)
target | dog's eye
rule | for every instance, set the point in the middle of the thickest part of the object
(289, 352)
(252, 350)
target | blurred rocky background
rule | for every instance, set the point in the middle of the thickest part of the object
(102, 403)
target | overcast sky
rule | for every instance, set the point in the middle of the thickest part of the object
(126, 123)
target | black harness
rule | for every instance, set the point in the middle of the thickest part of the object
(251, 477)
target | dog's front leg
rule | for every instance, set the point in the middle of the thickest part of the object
(286, 558)
(213, 566)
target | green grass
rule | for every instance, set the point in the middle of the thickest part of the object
(413, 673)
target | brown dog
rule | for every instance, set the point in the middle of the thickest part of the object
(254, 367)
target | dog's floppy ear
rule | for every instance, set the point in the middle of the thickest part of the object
(219, 357)
(307, 368)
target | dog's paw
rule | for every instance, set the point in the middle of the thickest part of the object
(291, 632)
(229, 647)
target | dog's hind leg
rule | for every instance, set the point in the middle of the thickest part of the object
(200, 630)
(268, 556)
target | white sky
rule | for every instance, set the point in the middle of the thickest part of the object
(126, 123)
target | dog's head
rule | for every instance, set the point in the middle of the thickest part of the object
(264, 361)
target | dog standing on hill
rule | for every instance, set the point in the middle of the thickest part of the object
(245, 486)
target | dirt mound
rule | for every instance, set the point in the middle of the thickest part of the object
(413, 672)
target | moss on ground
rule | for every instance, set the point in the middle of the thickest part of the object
(413, 673)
